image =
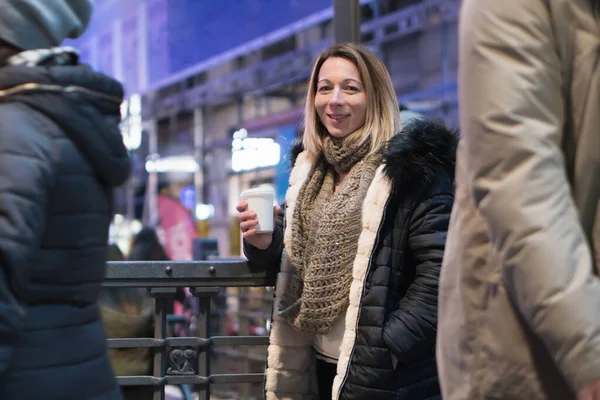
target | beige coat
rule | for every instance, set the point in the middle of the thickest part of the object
(519, 314)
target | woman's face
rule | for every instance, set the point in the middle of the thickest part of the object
(341, 101)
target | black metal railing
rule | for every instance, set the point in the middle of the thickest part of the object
(186, 360)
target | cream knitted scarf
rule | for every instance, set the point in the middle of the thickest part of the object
(325, 230)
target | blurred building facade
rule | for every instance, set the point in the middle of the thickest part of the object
(219, 94)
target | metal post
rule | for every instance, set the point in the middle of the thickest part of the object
(199, 156)
(346, 21)
(445, 56)
(152, 187)
(244, 330)
(131, 183)
(379, 32)
(161, 297)
(203, 330)
(240, 110)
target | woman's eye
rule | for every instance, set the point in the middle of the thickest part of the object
(323, 88)
(352, 89)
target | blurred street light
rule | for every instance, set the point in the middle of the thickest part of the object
(131, 122)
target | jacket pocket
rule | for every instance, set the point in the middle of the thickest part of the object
(417, 381)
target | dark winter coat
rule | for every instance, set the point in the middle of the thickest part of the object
(61, 152)
(393, 297)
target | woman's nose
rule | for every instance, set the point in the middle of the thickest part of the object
(336, 98)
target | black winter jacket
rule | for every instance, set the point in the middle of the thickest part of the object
(61, 152)
(393, 299)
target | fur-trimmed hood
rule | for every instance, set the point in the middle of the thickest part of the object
(422, 147)
(413, 155)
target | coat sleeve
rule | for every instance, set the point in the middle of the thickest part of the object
(411, 329)
(268, 260)
(512, 120)
(25, 173)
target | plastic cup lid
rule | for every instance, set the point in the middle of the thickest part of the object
(260, 191)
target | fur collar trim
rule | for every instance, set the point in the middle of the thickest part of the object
(413, 157)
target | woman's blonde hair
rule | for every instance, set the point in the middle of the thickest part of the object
(382, 113)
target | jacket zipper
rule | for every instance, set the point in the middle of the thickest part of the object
(377, 239)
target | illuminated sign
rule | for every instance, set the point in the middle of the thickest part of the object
(251, 153)
(172, 164)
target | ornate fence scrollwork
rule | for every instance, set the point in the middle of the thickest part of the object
(182, 361)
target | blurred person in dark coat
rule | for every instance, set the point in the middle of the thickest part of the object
(127, 313)
(147, 247)
(61, 153)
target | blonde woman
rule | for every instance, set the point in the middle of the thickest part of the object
(362, 237)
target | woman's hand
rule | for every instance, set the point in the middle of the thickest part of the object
(248, 223)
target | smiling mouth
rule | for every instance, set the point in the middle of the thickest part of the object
(337, 117)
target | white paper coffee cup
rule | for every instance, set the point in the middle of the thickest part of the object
(261, 200)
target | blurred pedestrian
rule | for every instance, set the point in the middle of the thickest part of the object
(61, 153)
(131, 316)
(362, 237)
(146, 246)
(127, 313)
(519, 293)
